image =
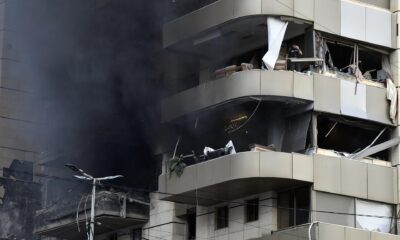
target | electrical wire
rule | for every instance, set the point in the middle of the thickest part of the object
(248, 119)
(245, 203)
(77, 213)
(88, 226)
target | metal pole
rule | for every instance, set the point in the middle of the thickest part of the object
(92, 211)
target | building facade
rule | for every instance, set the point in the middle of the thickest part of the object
(312, 135)
(20, 118)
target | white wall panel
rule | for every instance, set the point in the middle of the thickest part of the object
(379, 25)
(353, 20)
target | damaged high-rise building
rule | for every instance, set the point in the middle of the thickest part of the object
(282, 121)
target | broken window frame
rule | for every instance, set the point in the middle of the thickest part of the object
(317, 132)
(355, 46)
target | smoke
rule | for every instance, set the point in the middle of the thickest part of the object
(98, 74)
(92, 66)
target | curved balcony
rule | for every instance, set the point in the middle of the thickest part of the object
(236, 176)
(227, 18)
(281, 84)
(329, 94)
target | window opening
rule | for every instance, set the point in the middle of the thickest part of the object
(191, 221)
(221, 217)
(345, 135)
(293, 207)
(252, 210)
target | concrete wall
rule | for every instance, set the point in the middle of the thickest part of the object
(329, 174)
(328, 94)
(20, 115)
(164, 223)
(239, 175)
(354, 178)
(237, 228)
(353, 19)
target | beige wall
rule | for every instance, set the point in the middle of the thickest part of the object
(329, 174)
(323, 90)
(237, 228)
(358, 179)
(370, 23)
(163, 222)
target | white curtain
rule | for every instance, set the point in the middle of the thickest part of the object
(276, 32)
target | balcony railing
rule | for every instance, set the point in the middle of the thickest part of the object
(113, 210)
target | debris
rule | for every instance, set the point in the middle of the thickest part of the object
(210, 153)
(333, 127)
(385, 72)
(355, 155)
(234, 123)
(227, 71)
(367, 75)
(276, 32)
(391, 95)
(177, 166)
(323, 52)
(261, 148)
(247, 66)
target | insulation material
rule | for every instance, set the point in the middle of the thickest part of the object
(391, 95)
(353, 99)
(373, 216)
(322, 51)
(276, 32)
(386, 65)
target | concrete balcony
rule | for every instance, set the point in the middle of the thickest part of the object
(329, 94)
(113, 212)
(326, 231)
(235, 176)
(227, 17)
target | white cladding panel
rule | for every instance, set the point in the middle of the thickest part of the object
(379, 25)
(353, 20)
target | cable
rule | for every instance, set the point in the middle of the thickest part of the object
(251, 116)
(88, 226)
(241, 203)
(77, 213)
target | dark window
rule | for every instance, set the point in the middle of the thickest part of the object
(191, 220)
(293, 207)
(252, 210)
(137, 234)
(113, 237)
(221, 217)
